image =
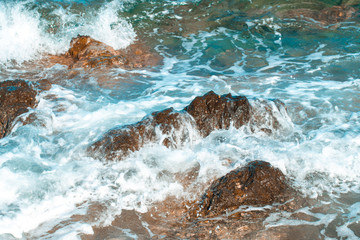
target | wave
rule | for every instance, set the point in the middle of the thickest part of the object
(29, 29)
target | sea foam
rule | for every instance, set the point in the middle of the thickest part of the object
(29, 31)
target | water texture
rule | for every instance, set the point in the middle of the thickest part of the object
(249, 48)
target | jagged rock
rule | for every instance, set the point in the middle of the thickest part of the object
(212, 112)
(206, 113)
(86, 52)
(256, 184)
(172, 128)
(119, 142)
(15, 99)
(84, 47)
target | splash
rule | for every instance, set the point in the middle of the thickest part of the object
(29, 30)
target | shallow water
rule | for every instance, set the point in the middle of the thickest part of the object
(47, 177)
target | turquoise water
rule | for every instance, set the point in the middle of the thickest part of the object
(46, 175)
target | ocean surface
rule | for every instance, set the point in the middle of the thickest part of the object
(46, 174)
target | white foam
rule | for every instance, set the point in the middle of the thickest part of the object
(21, 37)
(317, 144)
(147, 176)
(10, 187)
(24, 35)
(109, 28)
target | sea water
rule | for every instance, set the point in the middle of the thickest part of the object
(47, 176)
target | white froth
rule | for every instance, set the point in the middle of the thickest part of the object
(21, 37)
(9, 188)
(107, 27)
(49, 178)
(24, 35)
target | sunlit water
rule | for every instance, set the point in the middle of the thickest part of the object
(47, 176)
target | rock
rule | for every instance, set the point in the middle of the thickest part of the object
(85, 47)
(262, 184)
(203, 115)
(206, 114)
(256, 184)
(212, 112)
(86, 52)
(119, 142)
(326, 16)
(16, 97)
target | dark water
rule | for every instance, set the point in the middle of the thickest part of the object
(249, 48)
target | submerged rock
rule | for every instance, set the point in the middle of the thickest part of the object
(233, 14)
(172, 128)
(16, 97)
(256, 184)
(326, 16)
(86, 52)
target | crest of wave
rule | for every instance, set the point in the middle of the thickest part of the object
(25, 34)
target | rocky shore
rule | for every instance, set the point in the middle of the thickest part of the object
(229, 198)
(236, 205)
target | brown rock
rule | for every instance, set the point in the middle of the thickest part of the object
(138, 55)
(89, 53)
(119, 142)
(15, 99)
(169, 219)
(205, 114)
(85, 47)
(212, 112)
(86, 52)
(265, 116)
(256, 184)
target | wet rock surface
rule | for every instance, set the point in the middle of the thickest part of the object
(234, 207)
(86, 52)
(118, 143)
(205, 114)
(16, 97)
(169, 219)
(256, 184)
(212, 112)
(261, 186)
